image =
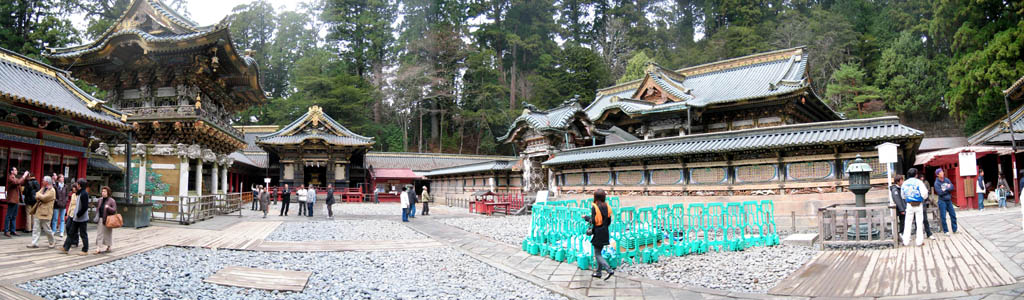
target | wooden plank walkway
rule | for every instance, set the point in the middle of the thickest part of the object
(241, 236)
(950, 263)
(10, 292)
(286, 246)
(264, 279)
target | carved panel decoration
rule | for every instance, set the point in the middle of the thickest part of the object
(710, 175)
(757, 173)
(666, 176)
(810, 170)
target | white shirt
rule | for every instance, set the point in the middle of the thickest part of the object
(302, 195)
(311, 194)
(405, 199)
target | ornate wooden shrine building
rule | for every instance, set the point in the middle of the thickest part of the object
(179, 83)
(747, 125)
(48, 125)
(315, 149)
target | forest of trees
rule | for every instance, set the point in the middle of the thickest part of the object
(450, 75)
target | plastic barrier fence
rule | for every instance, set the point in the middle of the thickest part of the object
(642, 235)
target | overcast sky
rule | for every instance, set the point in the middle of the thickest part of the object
(206, 12)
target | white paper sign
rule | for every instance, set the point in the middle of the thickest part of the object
(266, 180)
(3, 192)
(968, 164)
(542, 196)
(887, 153)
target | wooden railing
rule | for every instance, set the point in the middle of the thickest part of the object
(835, 223)
(191, 209)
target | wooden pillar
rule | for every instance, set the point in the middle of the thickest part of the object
(199, 177)
(183, 176)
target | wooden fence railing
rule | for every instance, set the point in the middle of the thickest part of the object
(835, 223)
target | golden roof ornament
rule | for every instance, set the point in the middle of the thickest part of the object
(316, 114)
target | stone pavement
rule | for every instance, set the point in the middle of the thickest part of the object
(564, 278)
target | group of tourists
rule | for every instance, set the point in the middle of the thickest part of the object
(305, 196)
(912, 197)
(407, 198)
(52, 206)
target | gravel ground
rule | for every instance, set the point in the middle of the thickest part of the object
(343, 230)
(177, 273)
(509, 229)
(755, 270)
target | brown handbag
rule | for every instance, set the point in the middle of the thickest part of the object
(114, 221)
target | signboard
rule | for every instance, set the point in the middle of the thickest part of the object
(887, 153)
(266, 180)
(542, 196)
(3, 192)
(968, 164)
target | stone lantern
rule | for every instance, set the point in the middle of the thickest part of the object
(860, 183)
(860, 179)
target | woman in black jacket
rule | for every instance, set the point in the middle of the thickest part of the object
(600, 217)
(897, 199)
(79, 220)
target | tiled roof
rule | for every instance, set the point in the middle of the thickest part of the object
(293, 133)
(495, 165)
(616, 135)
(555, 118)
(1015, 91)
(996, 129)
(244, 159)
(191, 29)
(835, 132)
(424, 161)
(32, 82)
(396, 173)
(937, 143)
(102, 165)
(759, 75)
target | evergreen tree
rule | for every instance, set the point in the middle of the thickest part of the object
(635, 68)
(849, 92)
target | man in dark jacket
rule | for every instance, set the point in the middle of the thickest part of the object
(412, 201)
(286, 198)
(29, 194)
(897, 200)
(330, 201)
(79, 220)
(944, 189)
(59, 204)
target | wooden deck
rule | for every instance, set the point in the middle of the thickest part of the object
(950, 263)
(264, 279)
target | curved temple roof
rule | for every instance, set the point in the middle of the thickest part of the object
(35, 83)
(557, 118)
(312, 125)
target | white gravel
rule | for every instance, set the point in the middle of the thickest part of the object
(755, 270)
(177, 273)
(343, 230)
(507, 229)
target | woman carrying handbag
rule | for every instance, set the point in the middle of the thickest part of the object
(108, 220)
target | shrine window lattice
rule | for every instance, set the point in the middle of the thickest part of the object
(598, 178)
(757, 173)
(666, 177)
(708, 175)
(629, 177)
(574, 179)
(810, 170)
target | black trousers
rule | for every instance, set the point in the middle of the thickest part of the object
(255, 205)
(284, 207)
(302, 208)
(426, 209)
(899, 221)
(330, 210)
(77, 230)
